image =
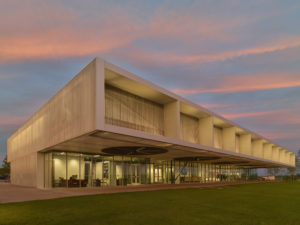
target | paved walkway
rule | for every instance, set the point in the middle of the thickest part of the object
(14, 193)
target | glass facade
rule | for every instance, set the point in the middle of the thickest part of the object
(64, 169)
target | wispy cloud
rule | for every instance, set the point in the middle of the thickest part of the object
(252, 114)
(216, 106)
(274, 135)
(67, 32)
(256, 82)
(12, 120)
(226, 55)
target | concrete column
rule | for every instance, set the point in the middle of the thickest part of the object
(281, 155)
(206, 131)
(100, 94)
(245, 144)
(257, 148)
(275, 153)
(267, 149)
(292, 159)
(237, 143)
(40, 174)
(287, 157)
(229, 136)
(218, 138)
(172, 120)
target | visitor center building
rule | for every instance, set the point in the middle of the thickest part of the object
(109, 127)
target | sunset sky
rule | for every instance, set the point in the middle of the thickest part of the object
(240, 59)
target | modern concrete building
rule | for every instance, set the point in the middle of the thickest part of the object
(110, 127)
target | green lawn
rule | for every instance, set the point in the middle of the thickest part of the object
(270, 203)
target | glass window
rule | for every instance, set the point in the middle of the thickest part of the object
(73, 169)
(59, 177)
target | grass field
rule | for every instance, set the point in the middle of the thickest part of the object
(269, 203)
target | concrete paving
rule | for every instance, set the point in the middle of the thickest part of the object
(14, 193)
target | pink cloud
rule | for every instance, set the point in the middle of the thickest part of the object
(253, 114)
(51, 30)
(225, 55)
(186, 25)
(282, 135)
(12, 120)
(231, 84)
(62, 33)
(216, 106)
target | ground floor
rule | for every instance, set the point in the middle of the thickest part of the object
(67, 170)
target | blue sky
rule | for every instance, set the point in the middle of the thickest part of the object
(240, 59)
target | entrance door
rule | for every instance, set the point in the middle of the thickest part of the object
(135, 174)
(87, 175)
(158, 174)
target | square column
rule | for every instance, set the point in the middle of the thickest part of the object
(172, 120)
(282, 155)
(275, 153)
(267, 151)
(292, 159)
(206, 131)
(228, 135)
(287, 157)
(245, 144)
(257, 148)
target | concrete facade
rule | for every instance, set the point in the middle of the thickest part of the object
(76, 120)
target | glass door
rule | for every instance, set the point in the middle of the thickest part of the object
(135, 174)
(158, 174)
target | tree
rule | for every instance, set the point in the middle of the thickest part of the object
(5, 167)
(5, 164)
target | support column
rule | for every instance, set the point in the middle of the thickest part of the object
(40, 166)
(172, 120)
(245, 144)
(228, 135)
(275, 153)
(281, 155)
(267, 151)
(286, 157)
(206, 131)
(292, 159)
(100, 94)
(257, 148)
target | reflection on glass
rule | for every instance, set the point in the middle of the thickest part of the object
(73, 162)
(59, 176)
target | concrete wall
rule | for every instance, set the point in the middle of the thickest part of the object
(229, 142)
(281, 155)
(275, 153)
(24, 170)
(257, 148)
(237, 144)
(206, 131)
(267, 151)
(218, 138)
(245, 144)
(172, 120)
(292, 159)
(70, 113)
